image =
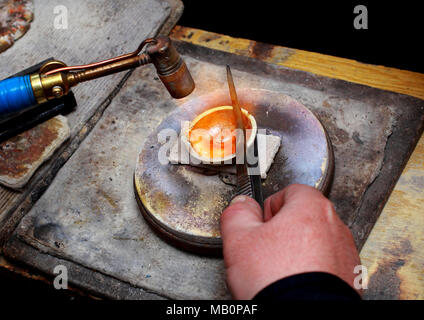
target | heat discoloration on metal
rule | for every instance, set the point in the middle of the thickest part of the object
(350, 110)
(188, 205)
(21, 155)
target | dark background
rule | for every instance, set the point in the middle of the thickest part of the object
(394, 36)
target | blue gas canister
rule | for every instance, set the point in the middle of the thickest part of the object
(16, 96)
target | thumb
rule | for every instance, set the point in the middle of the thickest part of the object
(243, 213)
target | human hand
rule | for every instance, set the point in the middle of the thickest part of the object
(300, 232)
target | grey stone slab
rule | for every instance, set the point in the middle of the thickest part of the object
(96, 30)
(89, 214)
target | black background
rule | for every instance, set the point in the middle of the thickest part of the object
(394, 37)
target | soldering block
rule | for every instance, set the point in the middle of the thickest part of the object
(268, 146)
(23, 154)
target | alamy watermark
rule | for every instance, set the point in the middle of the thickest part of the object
(218, 145)
(361, 20)
(61, 280)
(61, 17)
(361, 280)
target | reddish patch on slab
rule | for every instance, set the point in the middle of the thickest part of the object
(18, 153)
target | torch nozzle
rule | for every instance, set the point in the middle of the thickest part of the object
(171, 68)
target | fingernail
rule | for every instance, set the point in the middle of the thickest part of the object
(237, 199)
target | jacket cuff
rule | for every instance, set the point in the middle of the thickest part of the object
(309, 286)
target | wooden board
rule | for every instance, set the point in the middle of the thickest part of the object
(177, 200)
(394, 251)
(94, 32)
(401, 81)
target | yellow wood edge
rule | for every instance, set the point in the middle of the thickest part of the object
(396, 80)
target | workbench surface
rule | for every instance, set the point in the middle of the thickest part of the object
(393, 252)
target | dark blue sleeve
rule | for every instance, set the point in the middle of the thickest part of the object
(309, 286)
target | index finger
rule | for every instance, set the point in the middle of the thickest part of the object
(293, 195)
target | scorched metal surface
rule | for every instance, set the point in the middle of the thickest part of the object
(185, 206)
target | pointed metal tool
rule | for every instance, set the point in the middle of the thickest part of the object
(246, 185)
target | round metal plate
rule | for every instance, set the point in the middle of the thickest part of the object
(184, 205)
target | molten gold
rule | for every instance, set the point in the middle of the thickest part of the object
(212, 133)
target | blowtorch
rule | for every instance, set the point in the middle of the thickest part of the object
(54, 79)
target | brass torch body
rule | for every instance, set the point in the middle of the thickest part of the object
(170, 67)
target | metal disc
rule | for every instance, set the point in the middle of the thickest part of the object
(184, 205)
